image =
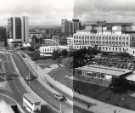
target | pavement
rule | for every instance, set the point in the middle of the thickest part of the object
(97, 106)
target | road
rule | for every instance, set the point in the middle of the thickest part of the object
(15, 84)
(42, 91)
(17, 89)
(38, 88)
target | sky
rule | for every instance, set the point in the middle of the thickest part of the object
(50, 12)
(110, 10)
(40, 12)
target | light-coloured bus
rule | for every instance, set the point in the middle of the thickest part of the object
(31, 103)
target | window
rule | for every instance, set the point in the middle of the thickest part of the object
(119, 38)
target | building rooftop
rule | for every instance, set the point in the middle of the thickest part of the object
(108, 23)
(32, 98)
(35, 33)
(131, 77)
(112, 71)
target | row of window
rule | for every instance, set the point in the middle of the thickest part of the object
(116, 49)
(47, 50)
(80, 46)
(110, 43)
(102, 37)
(94, 75)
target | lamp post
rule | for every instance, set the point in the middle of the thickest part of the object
(60, 99)
(28, 78)
(60, 107)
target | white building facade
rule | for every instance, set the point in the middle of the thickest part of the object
(70, 41)
(18, 30)
(25, 29)
(105, 41)
(48, 50)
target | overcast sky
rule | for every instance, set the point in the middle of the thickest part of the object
(111, 10)
(50, 12)
(42, 12)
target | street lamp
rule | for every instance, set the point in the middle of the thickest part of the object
(60, 107)
(61, 99)
(28, 78)
(36, 66)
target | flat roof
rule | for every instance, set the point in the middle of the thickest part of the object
(109, 23)
(131, 77)
(32, 98)
(112, 71)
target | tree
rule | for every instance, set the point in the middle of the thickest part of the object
(68, 62)
(36, 54)
(3, 35)
(124, 55)
(82, 56)
(55, 54)
(64, 52)
(35, 43)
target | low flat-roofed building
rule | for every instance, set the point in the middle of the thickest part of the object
(48, 50)
(131, 79)
(31, 103)
(110, 71)
(100, 75)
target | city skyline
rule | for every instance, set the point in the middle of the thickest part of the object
(40, 12)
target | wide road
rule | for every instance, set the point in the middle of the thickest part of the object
(15, 84)
(38, 88)
(42, 91)
(13, 80)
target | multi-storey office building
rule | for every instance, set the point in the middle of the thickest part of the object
(105, 41)
(17, 30)
(76, 25)
(25, 29)
(70, 27)
(67, 27)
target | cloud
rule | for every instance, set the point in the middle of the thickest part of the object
(111, 10)
(39, 11)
